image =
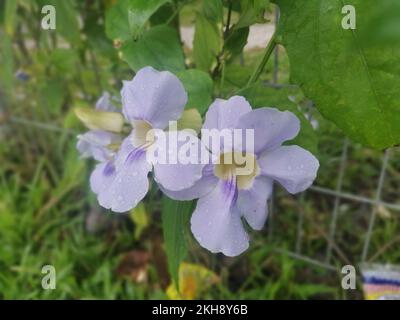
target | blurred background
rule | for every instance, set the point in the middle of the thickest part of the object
(48, 215)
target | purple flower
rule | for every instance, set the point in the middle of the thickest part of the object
(104, 103)
(224, 196)
(149, 101)
(97, 144)
(100, 145)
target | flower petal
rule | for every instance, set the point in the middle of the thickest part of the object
(94, 144)
(252, 203)
(176, 173)
(104, 103)
(130, 184)
(102, 176)
(153, 96)
(293, 167)
(224, 114)
(271, 127)
(216, 222)
(206, 184)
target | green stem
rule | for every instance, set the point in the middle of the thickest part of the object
(221, 56)
(268, 51)
(178, 8)
(221, 86)
(228, 20)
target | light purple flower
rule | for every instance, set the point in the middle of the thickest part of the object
(105, 103)
(224, 197)
(149, 101)
(96, 144)
(101, 146)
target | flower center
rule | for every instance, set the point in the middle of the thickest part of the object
(242, 165)
(143, 136)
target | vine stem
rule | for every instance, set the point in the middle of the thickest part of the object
(178, 8)
(228, 20)
(268, 51)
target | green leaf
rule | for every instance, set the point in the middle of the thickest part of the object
(140, 11)
(213, 10)
(261, 96)
(199, 87)
(127, 18)
(352, 83)
(237, 75)
(237, 40)
(206, 43)
(382, 27)
(175, 220)
(10, 14)
(252, 11)
(159, 47)
(117, 23)
(163, 14)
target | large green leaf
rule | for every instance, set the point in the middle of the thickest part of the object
(383, 28)
(127, 18)
(117, 23)
(175, 221)
(206, 43)
(354, 84)
(199, 87)
(159, 47)
(261, 96)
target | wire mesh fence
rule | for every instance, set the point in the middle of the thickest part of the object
(338, 195)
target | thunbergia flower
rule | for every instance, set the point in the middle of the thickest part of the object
(105, 102)
(98, 143)
(149, 101)
(101, 144)
(225, 197)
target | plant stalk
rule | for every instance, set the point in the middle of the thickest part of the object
(268, 52)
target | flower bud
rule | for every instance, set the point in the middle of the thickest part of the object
(100, 120)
